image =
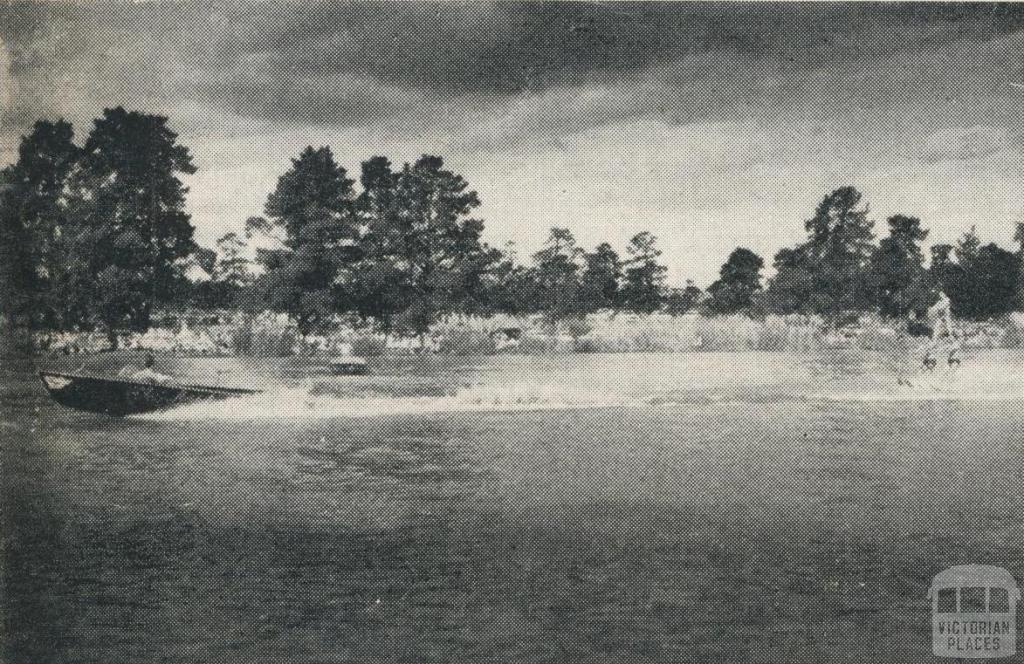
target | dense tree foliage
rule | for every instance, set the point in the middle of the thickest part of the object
(988, 283)
(229, 272)
(509, 287)
(896, 275)
(681, 301)
(643, 288)
(838, 271)
(231, 266)
(838, 248)
(132, 226)
(96, 236)
(739, 283)
(943, 272)
(312, 211)
(827, 275)
(556, 275)
(421, 255)
(792, 287)
(982, 281)
(402, 252)
(599, 283)
(34, 225)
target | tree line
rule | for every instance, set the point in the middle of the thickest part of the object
(405, 250)
(839, 272)
(96, 237)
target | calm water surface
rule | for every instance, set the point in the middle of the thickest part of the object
(643, 508)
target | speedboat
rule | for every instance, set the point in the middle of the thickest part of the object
(119, 397)
(348, 366)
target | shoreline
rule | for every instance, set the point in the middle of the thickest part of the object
(249, 337)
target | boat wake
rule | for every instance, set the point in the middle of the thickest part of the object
(925, 394)
(362, 400)
(992, 385)
(301, 402)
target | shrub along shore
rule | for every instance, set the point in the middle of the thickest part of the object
(274, 335)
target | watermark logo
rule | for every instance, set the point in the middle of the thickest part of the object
(974, 612)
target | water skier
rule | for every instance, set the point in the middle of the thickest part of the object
(940, 317)
(929, 362)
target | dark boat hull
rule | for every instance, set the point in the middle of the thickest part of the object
(124, 397)
(348, 366)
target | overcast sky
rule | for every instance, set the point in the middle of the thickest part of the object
(710, 125)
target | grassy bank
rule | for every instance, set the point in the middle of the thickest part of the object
(270, 335)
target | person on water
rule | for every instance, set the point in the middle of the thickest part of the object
(147, 374)
(953, 361)
(940, 317)
(929, 362)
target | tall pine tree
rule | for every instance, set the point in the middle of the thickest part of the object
(599, 283)
(33, 224)
(896, 274)
(311, 212)
(826, 275)
(130, 226)
(739, 282)
(643, 290)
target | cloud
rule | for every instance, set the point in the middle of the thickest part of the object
(965, 143)
(424, 65)
(708, 123)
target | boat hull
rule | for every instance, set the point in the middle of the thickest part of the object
(124, 397)
(348, 366)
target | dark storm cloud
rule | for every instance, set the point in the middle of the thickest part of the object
(358, 63)
(508, 48)
(612, 117)
(433, 65)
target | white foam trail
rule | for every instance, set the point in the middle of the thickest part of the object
(922, 395)
(560, 394)
(946, 386)
(290, 402)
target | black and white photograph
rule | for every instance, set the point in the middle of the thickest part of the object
(511, 332)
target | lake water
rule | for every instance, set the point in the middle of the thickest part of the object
(585, 508)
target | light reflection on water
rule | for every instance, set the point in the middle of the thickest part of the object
(624, 508)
